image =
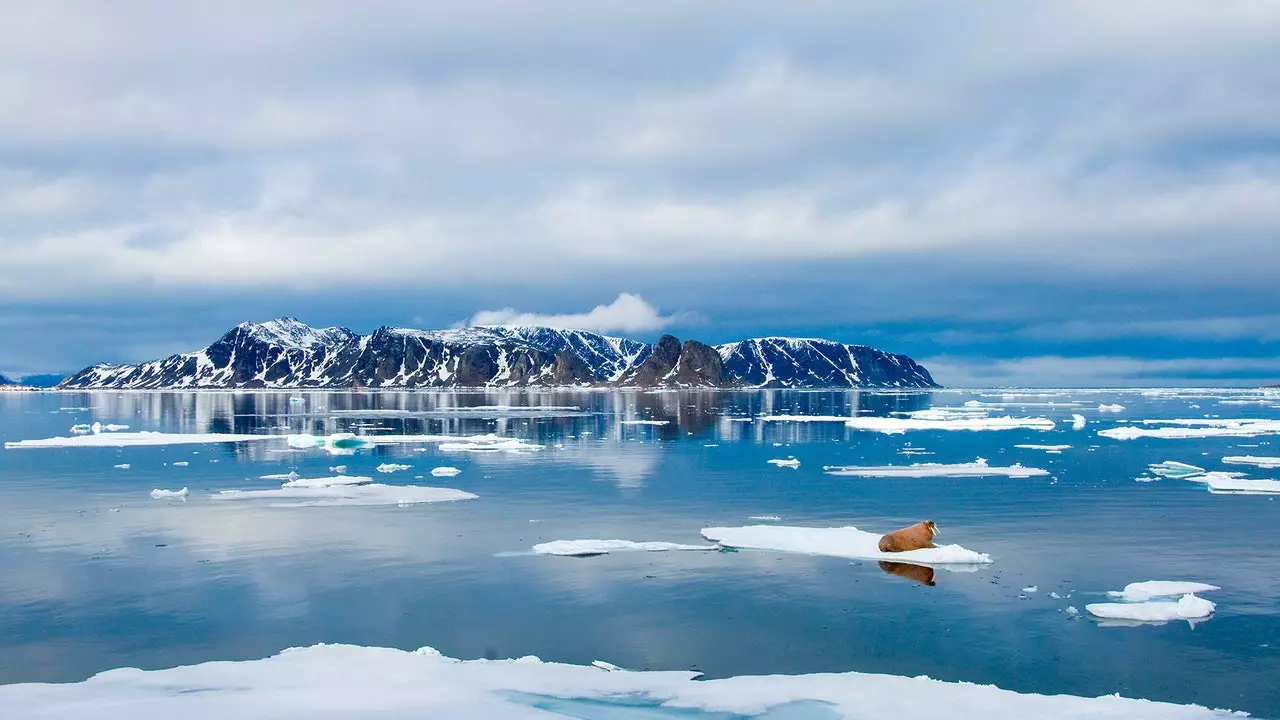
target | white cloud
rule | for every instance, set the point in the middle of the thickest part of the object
(628, 313)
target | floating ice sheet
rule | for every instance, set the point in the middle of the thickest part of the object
(445, 471)
(1110, 408)
(370, 494)
(846, 542)
(789, 462)
(1189, 607)
(1077, 421)
(1175, 469)
(350, 681)
(586, 548)
(1051, 449)
(644, 422)
(323, 482)
(1184, 429)
(1155, 589)
(1262, 462)
(159, 494)
(144, 438)
(1229, 484)
(978, 468)
(392, 467)
(895, 425)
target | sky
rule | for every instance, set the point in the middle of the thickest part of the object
(1074, 193)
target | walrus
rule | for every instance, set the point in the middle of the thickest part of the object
(919, 573)
(915, 537)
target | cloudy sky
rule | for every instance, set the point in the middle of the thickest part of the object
(1071, 193)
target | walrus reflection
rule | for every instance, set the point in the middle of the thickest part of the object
(918, 573)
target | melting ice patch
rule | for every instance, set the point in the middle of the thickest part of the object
(588, 548)
(1174, 469)
(345, 494)
(1153, 589)
(845, 542)
(445, 471)
(144, 438)
(978, 468)
(353, 681)
(392, 467)
(789, 462)
(159, 494)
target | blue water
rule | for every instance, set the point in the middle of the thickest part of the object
(96, 575)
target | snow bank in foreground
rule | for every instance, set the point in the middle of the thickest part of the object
(330, 495)
(129, 439)
(159, 494)
(1189, 607)
(351, 681)
(846, 542)
(978, 468)
(1262, 462)
(584, 548)
(1184, 429)
(1153, 589)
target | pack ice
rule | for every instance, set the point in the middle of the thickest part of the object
(977, 468)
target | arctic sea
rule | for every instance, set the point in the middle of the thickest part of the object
(95, 574)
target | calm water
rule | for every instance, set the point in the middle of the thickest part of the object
(97, 575)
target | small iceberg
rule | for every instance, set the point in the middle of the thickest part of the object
(844, 542)
(1174, 469)
(445, 471)
(1231, 484)
(181, 463)
(1153, 589)
(1077, 421)
(978, 468)
(1110, 408)
(1195, 428)
(159, 494)
(1266, 463)
(589, 548)
(82, 429)
(789, 462)
(1189, 608)
(115, 428)
(335, 444)
(938, 419)
(392, 467)
(324, 482)
(123, 466)
(1051, 449)
(291, 475)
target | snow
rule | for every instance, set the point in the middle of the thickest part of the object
(1110, 408)
(978, 468)
(644, 422)
(845, 542)
(1077, 422)
(1184, 429)
(445, 471)
(346, 494)
(584, 548)
(1051, 449)
(382, 683)
(127, 439)
(323, 482)
(159, 494)
(1190, 607)
(1226, 484)
(1262, 462)
(392, 467)
(1174, 469)
(1155, 589)
(789, 462)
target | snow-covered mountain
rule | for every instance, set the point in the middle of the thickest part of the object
(287, 353)
(6, 381)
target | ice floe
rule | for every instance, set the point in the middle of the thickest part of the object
(181, 463)
(1154, 589)
(644, 422)
(291, 475)
(159, 494)
(345, 494)
(323, 482)
(1189, 607)
(766, 518)
(392, 467)
(789, 462)
(352, 681)
(123, 466)
(1174, 469)
(978, 468)
(1051, 449)
(1031, 589)
(489, 444)
(1184, 429)
(845, 542)
(144, 438)
(893, 425)
(1232, 484)
(1262, 462)
(1077, 421)
(445, 471)
(336, 444)
(1110, 408)
(586, 548)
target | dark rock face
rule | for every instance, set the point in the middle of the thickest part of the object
(286, 353)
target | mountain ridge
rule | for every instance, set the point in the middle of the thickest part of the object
(286, 353)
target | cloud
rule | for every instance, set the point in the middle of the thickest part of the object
(628, 313)
(1102, 371)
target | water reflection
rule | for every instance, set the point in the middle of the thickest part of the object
(918, 573)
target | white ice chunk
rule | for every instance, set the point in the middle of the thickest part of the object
(323, 482)
(845, 542)
(766, 518)
(181, 463)
(1154, 589)
(1077, 421)
(81, 428)
(893, 425)
(372, 494)
(644, 422)
(1262, 462)
(144, 438)
(291, 475)
(584, 548)
(1184, 429)
(1110, 408)
(335, 444)
(349, 681)
(96, 428)
(114, 428)
(1189, 607)
(978, 468)
(340, 469)
(392, 467)
(1174, 469)
(123, 466)
(1031, 589)
(1072, 611)
(1051, 449)
(445, 471)
(789, 462)
(489, 444)
(1228, 484)
(159, 494)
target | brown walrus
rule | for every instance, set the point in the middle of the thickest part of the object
(919, 573)
(915, 537)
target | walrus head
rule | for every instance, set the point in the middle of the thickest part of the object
(933, 528)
